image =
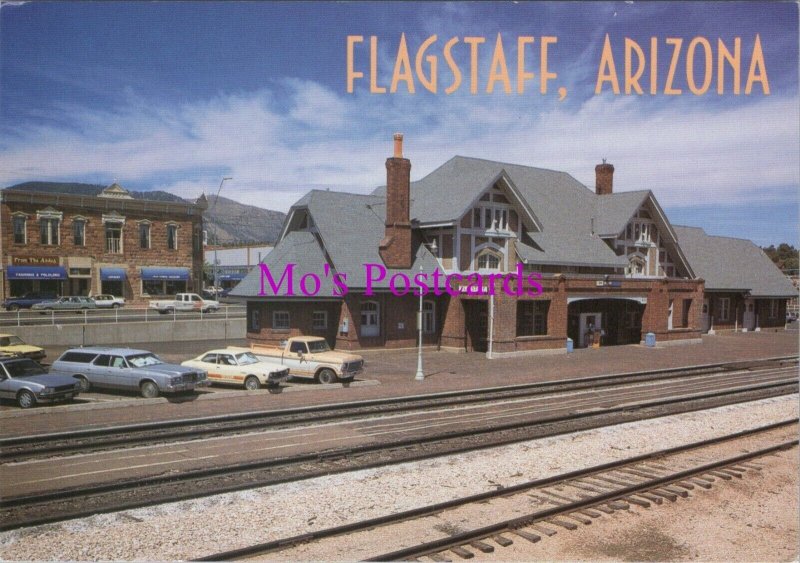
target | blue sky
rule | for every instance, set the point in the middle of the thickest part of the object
(174, 96)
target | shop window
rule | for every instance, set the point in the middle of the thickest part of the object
(114, 237)
(172, 237)
(280, 320)
(48, 231)
(254, 320)
(175, 286)
(144, 235)
(532, 318)
(153, 287)
(428, 317)
(20, 231)
(370, 319)
(319, 320)
(79, 232)
(724, 308)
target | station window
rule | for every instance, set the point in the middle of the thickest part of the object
(319, 320)
(280, 320)
(773, 308)
(488, 260)
(532, 318)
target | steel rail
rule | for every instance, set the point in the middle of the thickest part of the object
(686, 404)
(115, 435)
(521, 521)
(275, 545)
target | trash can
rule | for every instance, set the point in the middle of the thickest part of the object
(650, 340)
(569, 345)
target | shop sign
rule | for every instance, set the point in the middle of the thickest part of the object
(34, 261)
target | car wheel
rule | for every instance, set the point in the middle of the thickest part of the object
(85, 385)
(13, 308)
(148, 389)
(327, 376)
(25, 399)
(115, 306)
(252, 383)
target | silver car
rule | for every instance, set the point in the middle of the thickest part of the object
(127, 368)
(66, 304)
(26, 382)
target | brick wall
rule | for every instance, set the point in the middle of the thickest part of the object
(132, 258)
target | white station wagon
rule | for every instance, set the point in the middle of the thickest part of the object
(239, 367)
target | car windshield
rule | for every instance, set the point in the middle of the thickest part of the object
(316, 346)
(144, 360)
(24, 368)
(10, 340)
(246, 359)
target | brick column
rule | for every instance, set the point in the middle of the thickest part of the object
(454, 333)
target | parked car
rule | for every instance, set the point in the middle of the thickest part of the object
(239, 366)
(26, 301)
(310, 356)
(106, 301)
(13, 345)
(28, 383)
(66, 304)
(127, 368)
(185, 302)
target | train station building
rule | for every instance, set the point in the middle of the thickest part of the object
(611, 267)
(62, 243)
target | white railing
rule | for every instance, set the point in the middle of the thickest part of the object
(28, 317)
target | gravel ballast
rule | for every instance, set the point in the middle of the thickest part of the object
(190, 529)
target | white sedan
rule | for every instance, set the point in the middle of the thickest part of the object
(239, 368)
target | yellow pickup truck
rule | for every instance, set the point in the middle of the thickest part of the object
(310, 356)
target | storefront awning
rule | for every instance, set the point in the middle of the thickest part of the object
(113, 274)
(36, 273)
(231, 277)
(165, 274)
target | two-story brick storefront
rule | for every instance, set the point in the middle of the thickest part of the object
(611, 267)
(68, 244)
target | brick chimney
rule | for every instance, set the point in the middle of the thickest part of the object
(395, 248)
(604, 178)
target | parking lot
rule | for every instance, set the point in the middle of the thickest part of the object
(391, 372)
(26, 317)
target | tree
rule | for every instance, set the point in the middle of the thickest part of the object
(786, 257)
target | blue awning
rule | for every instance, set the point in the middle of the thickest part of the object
(166, 274)
(36, 273)
(231, 277)
(113, 274)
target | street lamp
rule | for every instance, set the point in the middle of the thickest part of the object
(216, 242)
(421, 374)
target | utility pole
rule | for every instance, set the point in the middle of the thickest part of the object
(216, 241)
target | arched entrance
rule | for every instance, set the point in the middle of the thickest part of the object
(618, 320)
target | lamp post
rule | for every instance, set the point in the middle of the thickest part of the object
(216, 242)
(420, 376)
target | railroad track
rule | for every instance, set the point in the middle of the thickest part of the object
(72, 442)
(512, 421)
(565, 501)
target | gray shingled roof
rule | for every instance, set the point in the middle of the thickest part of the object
(350, 227)
(297, 247)
(563, 206)
(732, 264)
(614, 211)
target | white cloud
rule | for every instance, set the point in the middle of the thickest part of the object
(681, 149)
